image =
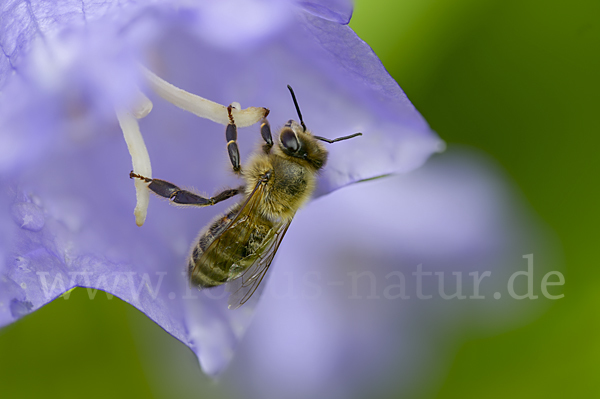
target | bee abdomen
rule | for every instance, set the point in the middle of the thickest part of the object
(210, 269)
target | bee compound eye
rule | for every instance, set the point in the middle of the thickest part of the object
(289, 140)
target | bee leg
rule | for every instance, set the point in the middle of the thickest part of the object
(232, 147)
(184, 197)
(265, 132)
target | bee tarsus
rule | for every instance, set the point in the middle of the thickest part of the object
(133, 175)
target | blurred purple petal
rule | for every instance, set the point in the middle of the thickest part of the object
(64, 163)
(238, 25)
(337, 311)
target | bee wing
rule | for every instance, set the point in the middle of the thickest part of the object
(244, 283)
(243, 286)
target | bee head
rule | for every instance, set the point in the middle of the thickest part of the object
(299, 143)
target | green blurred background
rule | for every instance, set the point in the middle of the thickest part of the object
(517, 79)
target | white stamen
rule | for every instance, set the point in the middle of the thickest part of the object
(142, 105)
(140, 160)
(200, 106)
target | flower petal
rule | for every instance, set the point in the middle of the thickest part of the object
(67, 167)
(339, 11)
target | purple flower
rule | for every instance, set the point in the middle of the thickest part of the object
(68, 70)
(333, 315)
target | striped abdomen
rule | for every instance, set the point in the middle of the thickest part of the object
(222, 245)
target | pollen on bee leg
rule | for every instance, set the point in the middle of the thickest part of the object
(140, 160)
(201, 106)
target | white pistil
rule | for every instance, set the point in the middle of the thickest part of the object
(140, 160)
(200, 106)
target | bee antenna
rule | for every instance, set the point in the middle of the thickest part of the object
(338, 139)
(297, 107)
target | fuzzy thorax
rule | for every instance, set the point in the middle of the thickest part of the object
(289, 187)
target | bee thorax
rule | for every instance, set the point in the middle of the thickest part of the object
(289, 188)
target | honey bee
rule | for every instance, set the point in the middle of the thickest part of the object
(238, 247)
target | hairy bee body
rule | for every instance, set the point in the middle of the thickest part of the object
(290, 185)
(285, 185)
(214, 268)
